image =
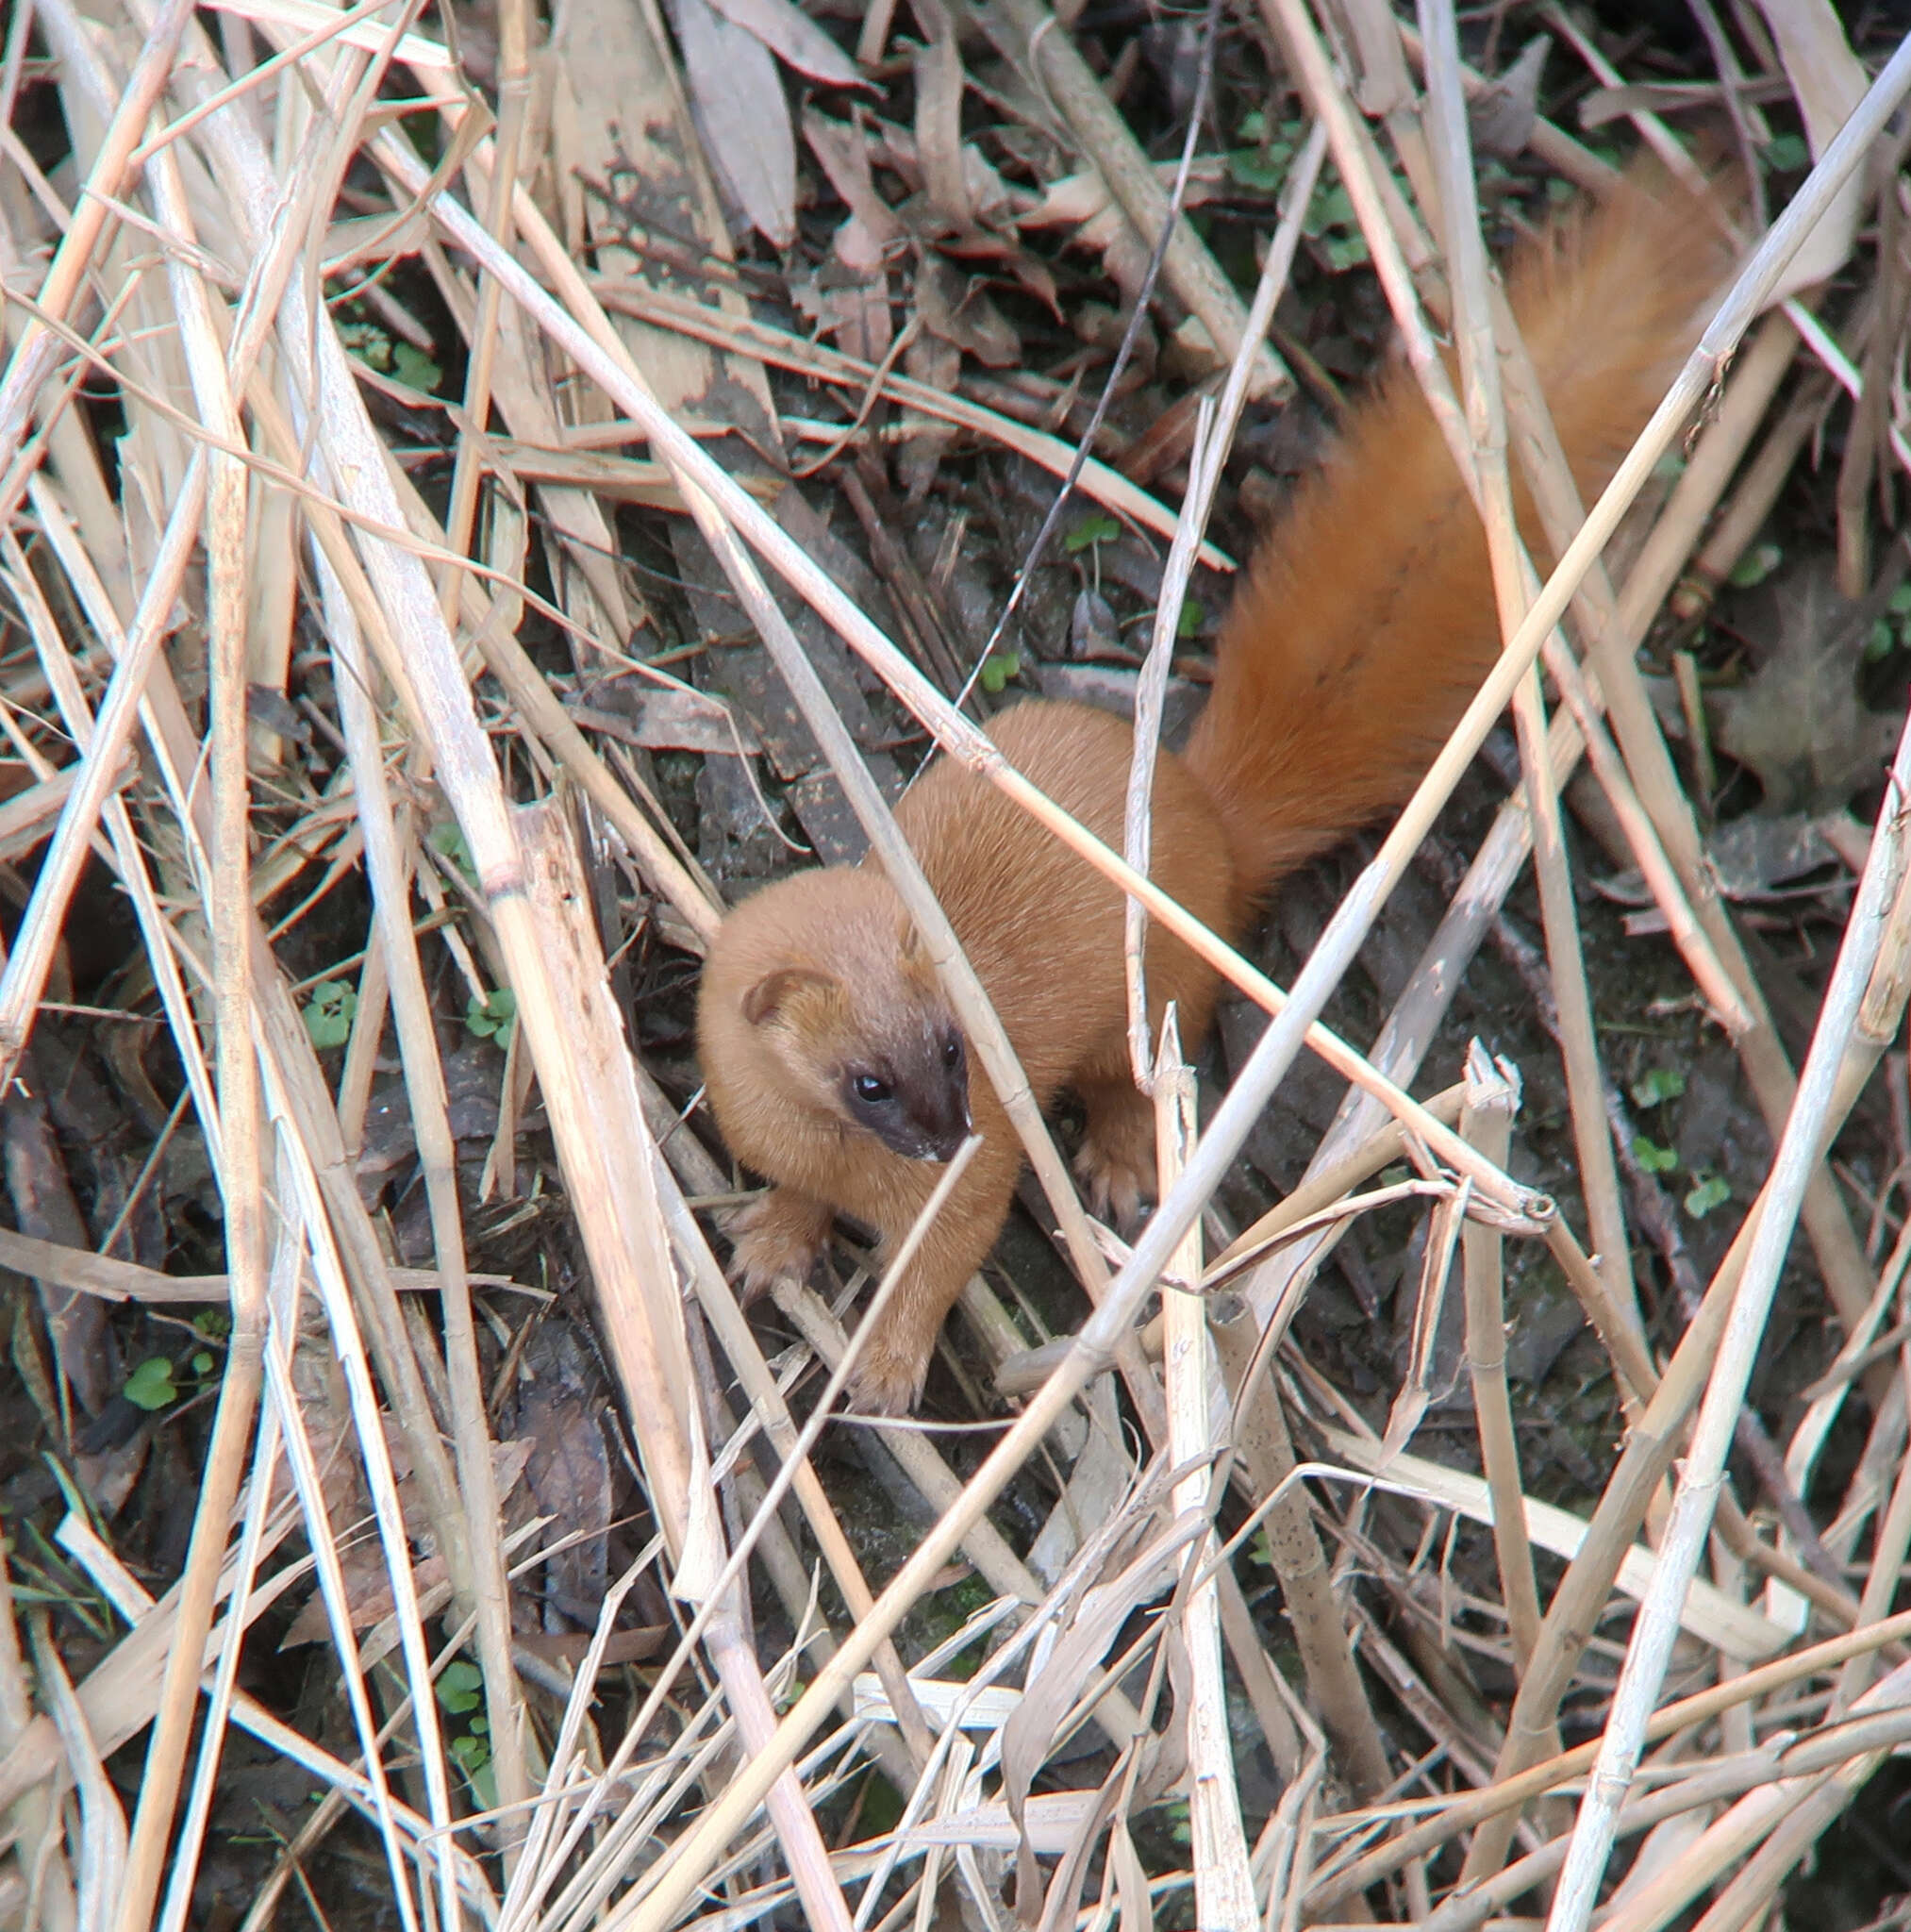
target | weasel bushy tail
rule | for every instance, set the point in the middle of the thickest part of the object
(1367, 621)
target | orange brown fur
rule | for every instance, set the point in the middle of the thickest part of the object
(1361, 631)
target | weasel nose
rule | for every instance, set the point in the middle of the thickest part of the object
(948, 1122)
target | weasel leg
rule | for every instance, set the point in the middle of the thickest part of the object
(1117, 1158)
(778, 1236)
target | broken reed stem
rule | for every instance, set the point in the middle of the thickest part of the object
(389, 870)
(1797, 1157)
(1514, 584)
(1267, 1454)
(1492, 1097)
(1213, 439)
(1223, 1891)
(240, 1113)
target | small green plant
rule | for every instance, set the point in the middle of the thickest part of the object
(1787, 154)
(492, 1017)
(1653, 1158)
(1709, 1191)
(156, 1383)
(329, 1013)
(997, 669)
(1756, 565)
(1658, 1085)
(447, 837)
(390, 355)
(151, 1386)
(460, 1691)
(1892, 631)
(1194, 615)
(1089, 531)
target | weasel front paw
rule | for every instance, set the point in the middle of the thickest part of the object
(778, 1236)
(1116, 1159)
(888, 1376)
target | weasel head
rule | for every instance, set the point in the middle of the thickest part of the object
(819, 989)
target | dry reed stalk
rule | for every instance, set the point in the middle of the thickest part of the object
(1213, 439)
(1345, 1881)
(1492, 1097)
(1266, 1452)
(241, 1113)
(591, 1096)
(388, 866)
(1798, 1154)
(1223, 1891)
(1476, 326)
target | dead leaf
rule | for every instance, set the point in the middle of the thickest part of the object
(958, 310)
(1800, 723)
(938, 127)
(1501, 118)
(1752, 858)
(793, 37)
(1828, 81)
(743, 115)
(939, 364)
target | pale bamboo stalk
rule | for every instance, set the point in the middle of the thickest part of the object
(597, 1120)
(229, 895)
(1798, 1154)
(1266, 1449)
(388, 869)
(1213, 437)
(1343, 1882)
(297, 1194)
(607, 364)
(23, 981)
(34, 352)
(514, 90)
(102, 1839)
(127, 855)
(1643, 1461)
(1744, 1827)
(183, 1867)
(1709, 1781)
(1223, 1891)
(1514, 584)
(1492, 1097)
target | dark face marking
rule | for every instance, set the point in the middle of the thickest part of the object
(914, 1101)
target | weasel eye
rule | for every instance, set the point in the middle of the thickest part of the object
(871, 1091)
(952, 1052)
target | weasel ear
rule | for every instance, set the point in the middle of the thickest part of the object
(909, 946)
(765, 1000)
